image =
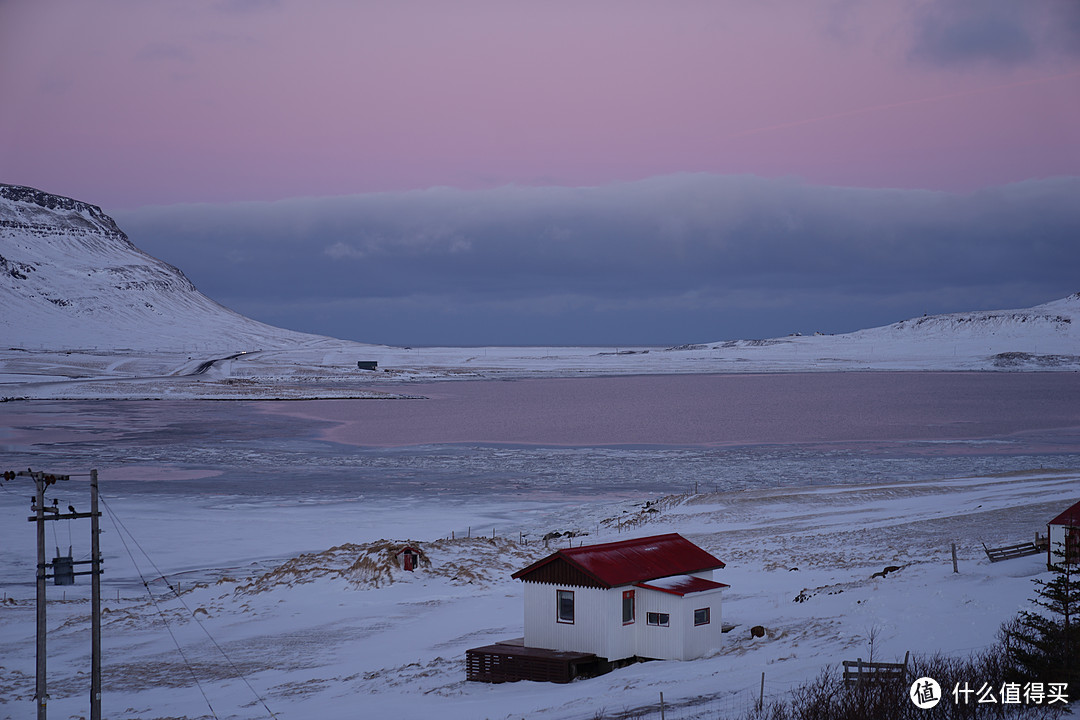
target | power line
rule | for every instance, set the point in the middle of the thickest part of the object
(161, 613)
(193, 616)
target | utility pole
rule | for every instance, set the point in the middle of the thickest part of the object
(95, 602)
(63, 570)
(41, 695)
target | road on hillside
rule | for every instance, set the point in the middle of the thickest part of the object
(210, 363)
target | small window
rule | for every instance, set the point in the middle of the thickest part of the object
(701, 616)
(627, 607)
(565, 601)
(658, 619)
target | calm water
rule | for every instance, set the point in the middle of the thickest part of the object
(711, 410)
(560, 437)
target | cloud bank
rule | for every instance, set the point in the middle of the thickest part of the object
(672, 259)
(1002, 32)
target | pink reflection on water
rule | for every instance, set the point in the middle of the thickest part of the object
(720, 410)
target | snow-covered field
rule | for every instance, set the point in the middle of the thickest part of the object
(306, 604)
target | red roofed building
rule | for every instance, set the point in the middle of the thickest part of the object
(651, 597)
(1064, 535)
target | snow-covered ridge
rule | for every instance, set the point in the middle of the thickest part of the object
(1046, 336)
(29, 208)
(1057, 314)
(86, 314)
(71, 279)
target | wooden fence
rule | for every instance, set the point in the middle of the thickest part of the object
(1008, 552)
(863, 671)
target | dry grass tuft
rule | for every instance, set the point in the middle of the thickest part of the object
(380, 563)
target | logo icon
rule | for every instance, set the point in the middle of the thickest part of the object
(925, 693)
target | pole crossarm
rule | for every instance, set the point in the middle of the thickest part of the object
(68, 516)
(47, 478)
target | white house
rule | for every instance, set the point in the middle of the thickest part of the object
(651, 597)
(1063, 533)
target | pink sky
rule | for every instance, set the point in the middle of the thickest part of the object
(125, 103)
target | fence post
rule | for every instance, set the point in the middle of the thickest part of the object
(954, 569)
(661, 706)
(761, 695)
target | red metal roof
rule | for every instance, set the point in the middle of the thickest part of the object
(631, 561)
(681, 585)
(1069, 518)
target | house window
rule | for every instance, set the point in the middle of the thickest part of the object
(627, 607)
(658, 619)
(701, 616)
(565, 602)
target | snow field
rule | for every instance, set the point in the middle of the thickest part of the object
(305, 600)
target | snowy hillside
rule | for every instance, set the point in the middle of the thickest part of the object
(70, 278)
(1044, 336)
(87, 314)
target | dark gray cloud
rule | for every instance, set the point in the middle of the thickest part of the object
(662, 261)
(1002, 32)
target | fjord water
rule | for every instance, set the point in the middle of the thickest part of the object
(559, 438)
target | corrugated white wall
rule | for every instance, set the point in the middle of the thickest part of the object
(598, 626)
(681, 640)
(1056, 536)
(543, 630)
(699, 640)
(620, 640)
(661, 643)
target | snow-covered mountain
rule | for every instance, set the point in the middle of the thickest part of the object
(70, 278)
(87, 314)
(1044, 336)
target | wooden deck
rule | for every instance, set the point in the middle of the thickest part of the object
(510, 661)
